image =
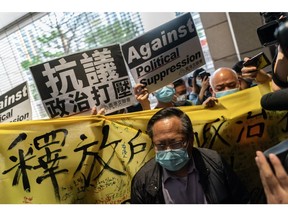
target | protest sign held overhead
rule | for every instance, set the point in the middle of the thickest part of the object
(15, 105)
(75, 83)
(165, 53)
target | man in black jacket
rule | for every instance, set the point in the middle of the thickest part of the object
(181, 173)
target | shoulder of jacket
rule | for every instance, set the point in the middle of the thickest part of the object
(147, 167)
(210, 154)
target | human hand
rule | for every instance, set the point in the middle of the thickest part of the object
(205, 83)
(141, 94)
(251, 72)
(275, 185)
(95, 112)
(210, 102)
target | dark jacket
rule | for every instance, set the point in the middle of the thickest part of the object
(220, 184)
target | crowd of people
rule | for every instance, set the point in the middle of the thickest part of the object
(181, 173)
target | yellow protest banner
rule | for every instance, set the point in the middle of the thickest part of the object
(92, 159)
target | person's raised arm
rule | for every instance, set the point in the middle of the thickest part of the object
(205, 85)
(260, 76)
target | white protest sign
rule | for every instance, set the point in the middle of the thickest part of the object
(75, 83)
(15, 105)
(165, 53)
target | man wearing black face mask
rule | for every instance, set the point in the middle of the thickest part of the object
(181, 173)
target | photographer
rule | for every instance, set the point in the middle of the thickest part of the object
(275, 100)
(199, 83)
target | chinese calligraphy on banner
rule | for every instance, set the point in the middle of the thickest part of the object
(92, 159)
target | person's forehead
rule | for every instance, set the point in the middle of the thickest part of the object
(180, 88)
(166, 126)
(224, 76)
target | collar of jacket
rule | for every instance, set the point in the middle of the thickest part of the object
(154, 185)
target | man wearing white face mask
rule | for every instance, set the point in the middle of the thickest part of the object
(180, 173)
(181, 97)
(224, 81)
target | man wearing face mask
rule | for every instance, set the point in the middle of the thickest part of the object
(224, 81)
(165, 96)
(180, 173)
(181, 97)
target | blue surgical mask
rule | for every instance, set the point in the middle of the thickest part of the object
(226, 92)
(165, 94)
(172, 159)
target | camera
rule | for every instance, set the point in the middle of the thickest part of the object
(200, 72)
(281, 151)
(267, 33)
(275, 31)
(203, 74)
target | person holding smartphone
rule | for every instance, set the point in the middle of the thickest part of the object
(253, 68)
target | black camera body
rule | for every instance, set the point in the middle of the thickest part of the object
(281, 151)
(203, 74)
(200, 72)
(275, 32)
(268, 34)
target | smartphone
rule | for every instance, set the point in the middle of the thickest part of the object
(260, 61)
(281, 151)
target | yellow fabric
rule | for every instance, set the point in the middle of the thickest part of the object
(92, 159)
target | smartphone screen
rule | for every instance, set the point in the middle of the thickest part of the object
(260, 61)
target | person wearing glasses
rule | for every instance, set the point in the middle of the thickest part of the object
(181, 173)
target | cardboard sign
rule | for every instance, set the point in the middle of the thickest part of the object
(165, 53)
(78, 82)
(15, 105)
